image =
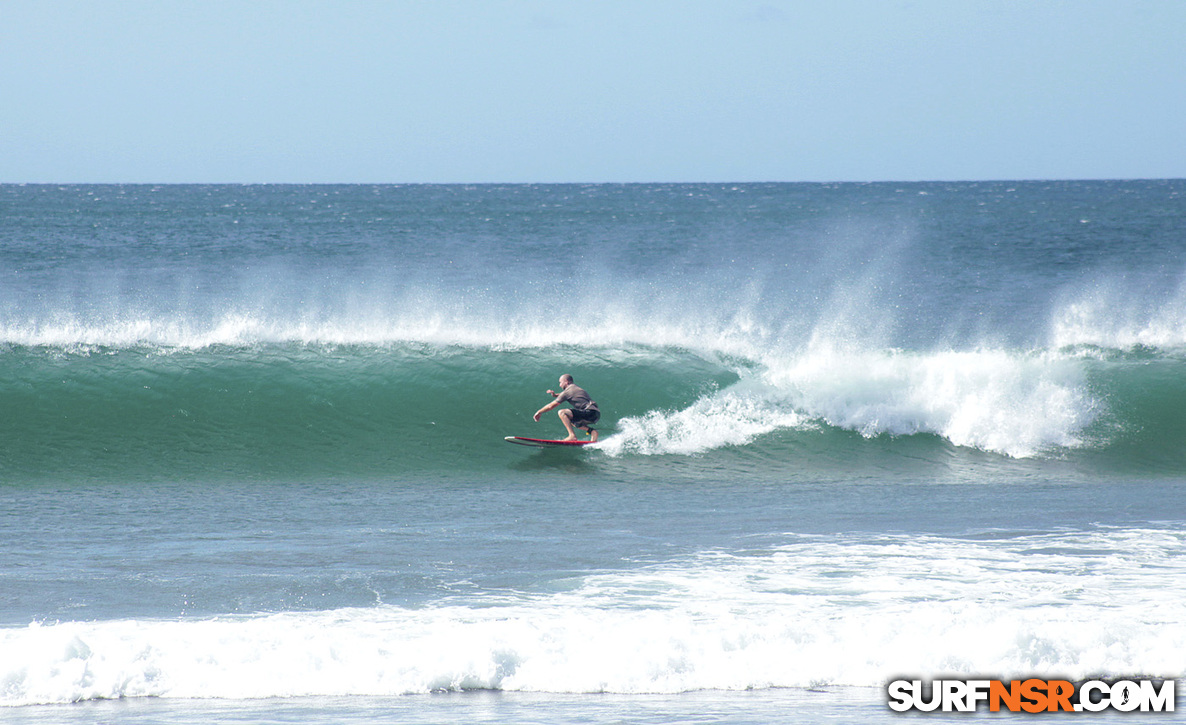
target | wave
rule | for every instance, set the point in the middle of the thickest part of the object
(245, 393)
(808, 611)
(301, 410)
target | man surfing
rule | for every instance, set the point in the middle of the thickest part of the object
(582, 414)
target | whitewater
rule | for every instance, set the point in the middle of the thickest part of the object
(252, 447)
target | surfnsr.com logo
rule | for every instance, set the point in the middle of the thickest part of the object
(1031, 695)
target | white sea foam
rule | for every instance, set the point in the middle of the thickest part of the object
(843, 610)
(731, 418)
(1016, 404)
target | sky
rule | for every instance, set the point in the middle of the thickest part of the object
(497, 91)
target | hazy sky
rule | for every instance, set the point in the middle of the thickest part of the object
(589, 91)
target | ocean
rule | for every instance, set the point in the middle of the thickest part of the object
(252, 465)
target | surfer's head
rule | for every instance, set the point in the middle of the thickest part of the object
(565, 381)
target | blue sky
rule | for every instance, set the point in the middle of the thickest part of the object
(592, 91)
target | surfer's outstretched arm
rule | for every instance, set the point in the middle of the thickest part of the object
(545, 409)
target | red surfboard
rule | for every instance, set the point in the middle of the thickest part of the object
(543, 443)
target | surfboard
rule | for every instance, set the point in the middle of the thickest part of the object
(544, 443)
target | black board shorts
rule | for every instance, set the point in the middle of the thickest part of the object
(582, 418)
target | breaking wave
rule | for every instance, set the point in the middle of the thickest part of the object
(809, 611)
(249, 396)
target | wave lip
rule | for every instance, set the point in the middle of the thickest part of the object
(417, 315)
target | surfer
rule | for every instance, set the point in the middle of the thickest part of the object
(582, 414)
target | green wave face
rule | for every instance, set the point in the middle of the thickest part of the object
(308, 411)
(294, 411)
